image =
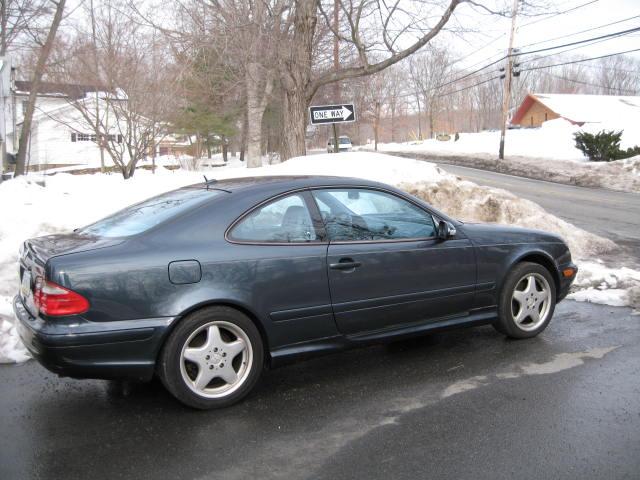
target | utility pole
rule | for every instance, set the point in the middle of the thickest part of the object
(507, 80)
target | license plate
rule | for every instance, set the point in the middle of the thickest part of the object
(25, 286)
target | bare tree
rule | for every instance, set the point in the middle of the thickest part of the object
(36, 79)
(131, 88)
(18, 17)
(429, 72)
(369, 28)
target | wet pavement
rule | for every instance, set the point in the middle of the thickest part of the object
(460, 404)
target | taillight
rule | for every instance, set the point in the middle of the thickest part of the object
(53, 300)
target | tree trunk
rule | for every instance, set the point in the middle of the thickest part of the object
(257, 97)
(296, 79)
(35, 86)
(431, 121)
(295, 124)
(393, 124)
(243, 136)
(254, 126)
(225, 150)
(376, 124)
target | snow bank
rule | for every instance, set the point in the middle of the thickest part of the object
(554, 139)
(597, 283)
(470, 202)
(69, 201)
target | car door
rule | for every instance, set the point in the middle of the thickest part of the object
(284, 252)
(386, 267)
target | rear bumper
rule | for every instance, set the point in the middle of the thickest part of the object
(115, 350)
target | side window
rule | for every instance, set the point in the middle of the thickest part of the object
(284, 220)
(360, 214)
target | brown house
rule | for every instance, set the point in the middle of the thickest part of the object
(577, 109)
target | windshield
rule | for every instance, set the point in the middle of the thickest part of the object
(142, 216)
(341, 141)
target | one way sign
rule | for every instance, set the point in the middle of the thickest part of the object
(332, 114)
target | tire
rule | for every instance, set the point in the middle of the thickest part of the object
(212, 359)
(522, 311)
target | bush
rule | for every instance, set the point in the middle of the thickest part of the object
(604, 146)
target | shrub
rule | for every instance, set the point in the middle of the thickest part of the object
(604, 146)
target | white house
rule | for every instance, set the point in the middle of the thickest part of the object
(61, 134)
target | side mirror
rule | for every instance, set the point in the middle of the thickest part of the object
(445, 230)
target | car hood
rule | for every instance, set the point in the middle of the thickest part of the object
(491, 234)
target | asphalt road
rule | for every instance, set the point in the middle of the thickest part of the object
(606, 213)
(455, 405)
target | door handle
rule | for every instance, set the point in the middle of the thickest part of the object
(345, 264)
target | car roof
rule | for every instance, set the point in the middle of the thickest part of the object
(282, 183)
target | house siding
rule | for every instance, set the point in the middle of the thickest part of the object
(536, 115)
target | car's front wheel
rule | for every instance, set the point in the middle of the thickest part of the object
(527, 301)
(212, 359)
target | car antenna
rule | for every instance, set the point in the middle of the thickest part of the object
(207, 181)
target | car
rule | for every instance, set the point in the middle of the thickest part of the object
(344, 144)
(208, 285)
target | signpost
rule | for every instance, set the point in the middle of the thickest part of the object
(333, 114)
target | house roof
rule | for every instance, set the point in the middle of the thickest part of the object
(70, 90)
(584, 108)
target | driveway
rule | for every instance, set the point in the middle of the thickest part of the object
(460, 404)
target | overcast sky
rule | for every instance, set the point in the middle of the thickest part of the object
(540, 28)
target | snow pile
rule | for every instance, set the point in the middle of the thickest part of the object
(69, 201)
(553, 140)
(470, 202)
(610, 286)
(11, 349)
(632, 165)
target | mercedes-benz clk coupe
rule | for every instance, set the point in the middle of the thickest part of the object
(208, 285)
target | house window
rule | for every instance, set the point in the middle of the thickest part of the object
(92, 137)
(545, 116)
(85, 137)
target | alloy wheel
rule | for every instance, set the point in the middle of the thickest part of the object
(531, 301)
(216, 359)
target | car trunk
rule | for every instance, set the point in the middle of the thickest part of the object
(36, 252)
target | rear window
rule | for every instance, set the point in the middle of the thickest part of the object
(142, 216)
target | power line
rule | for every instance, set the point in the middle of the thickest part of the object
(581, 31)
(518, 54)
(493, 40)
(456, 80)
(580, 82)
(601, 67)
(579, 61)
(559, 13)
(578, 42)
(468, 87)
(408, 94)
(586, 44)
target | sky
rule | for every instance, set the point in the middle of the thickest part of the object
(490, 40)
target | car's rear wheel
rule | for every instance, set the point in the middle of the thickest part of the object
(527, 301)
(212, 359)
